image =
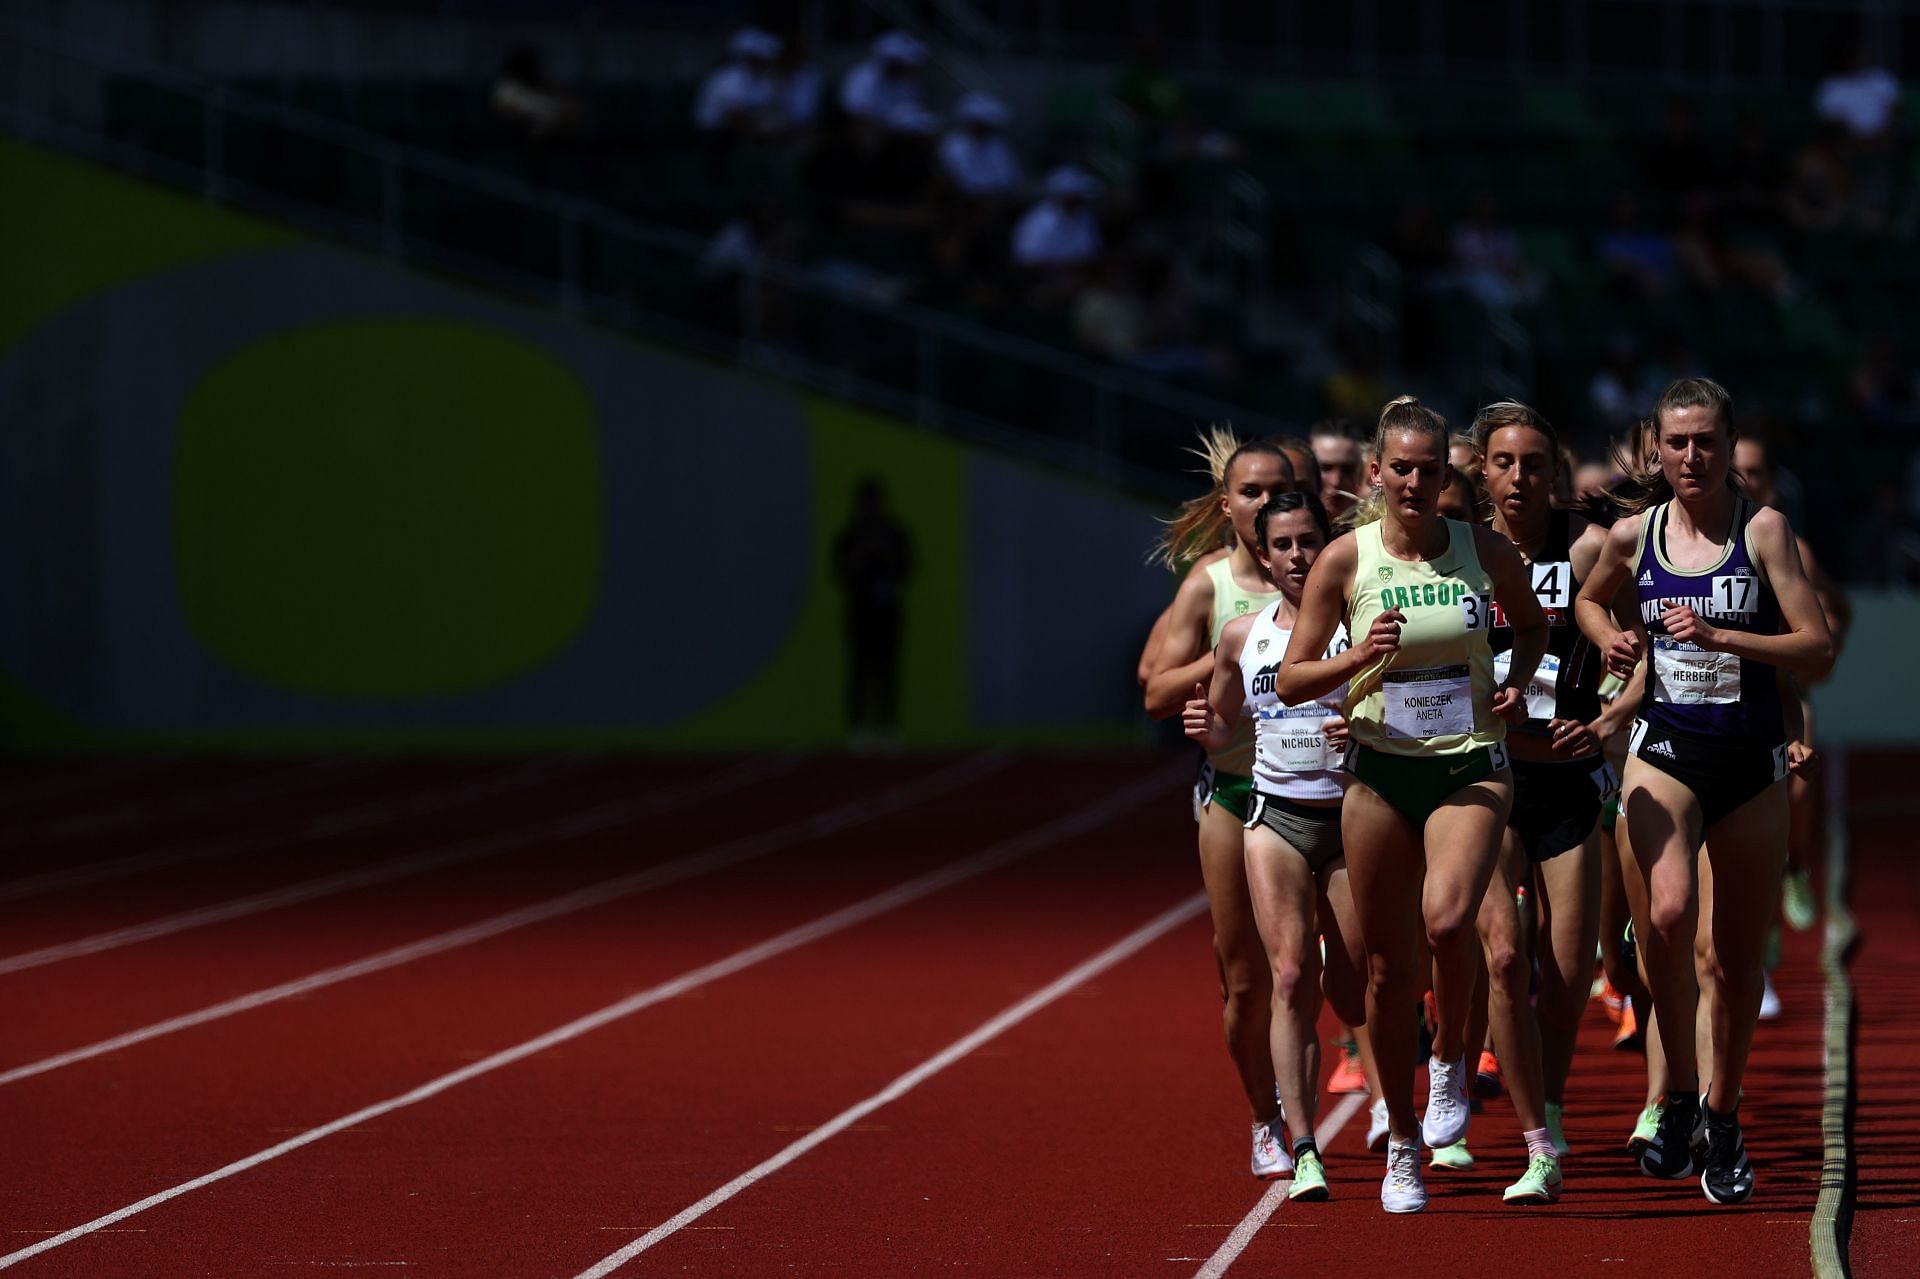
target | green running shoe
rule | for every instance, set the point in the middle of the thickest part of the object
(1540, 1184)
(1309, 1178)
(1455, 1156)
(1645, 1129)
(1797, 901)
(1554, 1110)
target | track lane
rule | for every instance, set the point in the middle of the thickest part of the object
(530, 984)
(79, 1002)
(215, 1093)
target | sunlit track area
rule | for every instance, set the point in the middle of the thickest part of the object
(917, 1016)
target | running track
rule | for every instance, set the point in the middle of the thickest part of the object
(573, 1016)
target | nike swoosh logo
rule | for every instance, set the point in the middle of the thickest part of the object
(1455, 772)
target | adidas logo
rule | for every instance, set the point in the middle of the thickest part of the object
(1646, 577)
(1662, 749)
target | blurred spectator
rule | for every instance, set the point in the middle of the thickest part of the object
(748, 244)
(1864, 99)
(1418, 242)
(739, 298)
(1062, 230)
(1714, 258)
(1755, 177)
(801, 86)
(975, 155)
(1140, 315)
(885, 89)
(526, 99)
(1623, 389)
(1885, 388)
(1680, 163)
(1820, 195)
(1638, 259)
(1487, 261)
(867, 178)
(1355, 388)
(1107, 318)
(742, 94)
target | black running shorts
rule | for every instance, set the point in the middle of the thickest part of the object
(1722, 772)
(1557, 805)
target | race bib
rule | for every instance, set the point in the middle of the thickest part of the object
(1542, 690)
(1433, 702)
(1294, 739)
(1476, 611)
(1553, 584)
(1736, 596)
(1686, 675)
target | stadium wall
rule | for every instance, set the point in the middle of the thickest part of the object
(265, 493)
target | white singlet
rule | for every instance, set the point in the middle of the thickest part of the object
(1291, 756)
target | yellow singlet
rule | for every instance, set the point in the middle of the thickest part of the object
(1434, 694)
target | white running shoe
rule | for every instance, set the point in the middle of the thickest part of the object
(1270, 1156)
(1377, 1126)
(1402, 1190)
(1769, 999)
(1447, 1111)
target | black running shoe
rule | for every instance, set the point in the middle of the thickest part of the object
(1728, 1178)
(1670, 1153)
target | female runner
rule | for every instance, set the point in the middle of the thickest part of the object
(1560, 776)
(1722, 602)
(1210, 597)
(1423, 818)
(1293, 853)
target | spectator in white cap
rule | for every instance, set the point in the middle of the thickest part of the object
(885, 89)
(1062, 231)
(741, 95)
(975, 155)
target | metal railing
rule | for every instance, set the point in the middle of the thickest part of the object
(442, 215)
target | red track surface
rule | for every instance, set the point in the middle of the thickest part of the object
(1103, 1135)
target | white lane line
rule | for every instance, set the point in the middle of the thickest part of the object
(279, 785)
(323, 826)
(606, 816)
(1004, 1021)
(903, 796)
(1086, 818)
(1236, 1243)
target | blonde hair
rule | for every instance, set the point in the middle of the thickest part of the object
(1407, 415)
(1201, 526)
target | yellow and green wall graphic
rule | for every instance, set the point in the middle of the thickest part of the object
(266, 493)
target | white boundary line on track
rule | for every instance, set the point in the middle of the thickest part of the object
(321, 826)
(1086, 818)
(1236, 1243)
(606, 816)
(598, 894)
(1002, 1022)
(277, 785)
